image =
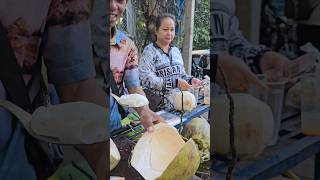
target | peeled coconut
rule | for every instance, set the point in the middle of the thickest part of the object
(189, 101)
(114, 155)
(133, 100)
(163, 154)
(67, 123)
(199, 130)
(253, 122)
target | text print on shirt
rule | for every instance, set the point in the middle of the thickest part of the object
(220, 30)
(167, 73)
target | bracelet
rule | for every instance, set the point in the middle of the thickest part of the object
(176, 85)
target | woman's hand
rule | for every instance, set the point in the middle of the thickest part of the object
(274, 66)
(238, 76)
(148, 118)
(196, 82)
(183, 85)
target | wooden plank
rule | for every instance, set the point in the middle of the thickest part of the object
(249, 14)
(276, 163)
(282, 161)
(131, 20)
(188, 35)
(195, 113)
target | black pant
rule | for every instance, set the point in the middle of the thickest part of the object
(308, 33)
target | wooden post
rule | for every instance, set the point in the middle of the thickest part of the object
(188, 35)
(255, 21)
(131, 20)
(249, 14)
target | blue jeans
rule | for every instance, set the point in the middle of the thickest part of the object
(115, 117)
(14, 164)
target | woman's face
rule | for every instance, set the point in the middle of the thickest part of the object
(165, 33)
(117, 8)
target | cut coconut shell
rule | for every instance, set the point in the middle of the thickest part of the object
(114, 155)
(184, 165)
(163, 154)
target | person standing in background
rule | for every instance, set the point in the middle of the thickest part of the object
(229, 42)
(309, 24)
(62, 29)
(124, 70)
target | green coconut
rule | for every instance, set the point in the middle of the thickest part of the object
(199, 130)
(163, 154)
(184, 165)
(253, 125)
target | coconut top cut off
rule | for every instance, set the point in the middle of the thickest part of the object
(131, 100)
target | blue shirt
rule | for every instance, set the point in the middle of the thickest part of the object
(124, 67)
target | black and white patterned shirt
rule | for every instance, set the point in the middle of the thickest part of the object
(228, 38)
(159, 70)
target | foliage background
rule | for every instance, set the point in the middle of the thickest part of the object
(201, 34)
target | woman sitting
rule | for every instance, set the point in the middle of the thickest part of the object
(161, 65)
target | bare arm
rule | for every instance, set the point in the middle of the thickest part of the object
(87, 90)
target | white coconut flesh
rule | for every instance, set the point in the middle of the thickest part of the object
(114, 155)
(155, 151)
(133, 100)
(68, 123)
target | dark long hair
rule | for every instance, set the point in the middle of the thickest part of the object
(163, 16)
(159, 21)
